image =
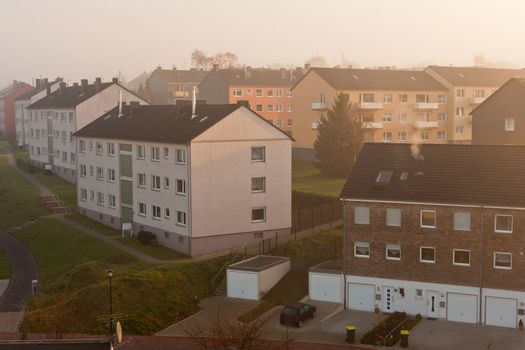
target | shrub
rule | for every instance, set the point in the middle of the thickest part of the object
(146, 237)
(387, 332)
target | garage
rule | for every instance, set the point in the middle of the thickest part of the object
(325, 282)
(501, 312)
(253, 278)
(462, 307)
(361, 297)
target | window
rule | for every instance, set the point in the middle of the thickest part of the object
(461, 257)
(403, 117)
(155, 212)
(279, 92)
(387, 136)
(367, 98)
(237, 92)
(279, 107)
(362, 250)
(480, 93)
(419, 293)
(509, 124)
(100, 174)
(258, 154)
(278, 123)
(393, 217)
(258, 184)
(167, 213)
(442, 117)
(258, 108)
(460, 111)
(99, 148)
(269, 108)
(181, 186)
(383, 177)
(155, 182)
(71, 117)
(72, 156)
(111, 149)
(387, 118)
(362, 215)
(315, 125)
(290, 108)
(141, 151)
(460, 130)
(258, 214)
(142, 209)
(100, 198)
(388, 98)
(427, 255)
(441, 135)
(460, 93)
(181, 156)
(155, 153)
(421, 98)
(442, 99)
(111, 175)
(166, 152)
(82, 146)
(403, 136)
(92, 195)
(503, 223)
(90, 170)
(393, 252)
(289, 123)
(258, 92)
(83, 194)
(270, 93)
(83, 170)
(428, 219)
(403, 98)
(502, 261)
(322, 98)
(141, 180)
(181, 218)
(462, 221)
(289, 93)
(166, 182)
(112, 202)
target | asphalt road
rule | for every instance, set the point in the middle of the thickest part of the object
(23, 270)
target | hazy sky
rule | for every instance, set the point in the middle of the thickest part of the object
(77, 39)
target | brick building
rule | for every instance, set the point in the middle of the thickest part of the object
(7, 106)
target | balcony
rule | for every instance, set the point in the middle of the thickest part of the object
(477, 100)
(370, 105)
(372, 125)
(181, 94)
(318, 105)
(427, 105)
(425, 125)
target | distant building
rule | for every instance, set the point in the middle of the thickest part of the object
(467, 88)
(266, 90)
(7, 106)
(167, 86)
(54, 119)
(202, 181)
(500, 119)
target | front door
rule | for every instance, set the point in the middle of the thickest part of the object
(432, 304)
(388, 299)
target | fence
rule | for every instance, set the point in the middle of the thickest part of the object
(311, 218)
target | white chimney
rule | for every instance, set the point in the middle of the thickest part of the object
(194, 101)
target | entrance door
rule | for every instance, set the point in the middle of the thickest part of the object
(388, 299)
(432, 304)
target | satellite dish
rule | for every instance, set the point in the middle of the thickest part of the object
(119, 332)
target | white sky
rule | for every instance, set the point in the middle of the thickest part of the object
(88, 38)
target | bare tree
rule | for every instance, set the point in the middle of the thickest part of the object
(317, 61)
(201, 60)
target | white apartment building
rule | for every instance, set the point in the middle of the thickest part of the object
(201, 181)
(54, 119)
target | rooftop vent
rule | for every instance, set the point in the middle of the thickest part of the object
(412, 77)
(383, 177)
(461, 75)
(203, 119)
(355, 77)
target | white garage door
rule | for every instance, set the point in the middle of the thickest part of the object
(361, 297)
(325, 287)
(242, 284)
(501, 312)
(462, 307)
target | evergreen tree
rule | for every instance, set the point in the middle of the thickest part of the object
(339, 139)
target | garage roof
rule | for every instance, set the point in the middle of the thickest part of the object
(258, 263)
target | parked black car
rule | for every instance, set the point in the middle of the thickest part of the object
(297, 313)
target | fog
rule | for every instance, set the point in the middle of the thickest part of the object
(77, 39)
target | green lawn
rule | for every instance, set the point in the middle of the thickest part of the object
(156, 251)
(92, 224)
(5, 266)
(306, 177)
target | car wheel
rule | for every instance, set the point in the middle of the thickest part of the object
(300, 324)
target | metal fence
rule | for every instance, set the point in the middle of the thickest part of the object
(311, 218)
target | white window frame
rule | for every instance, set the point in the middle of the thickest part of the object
(143, 176)
(183, 182)
(111, 149)
(421, 255)
(361, 244)
(155, 209)
(456, 218)
(83, 194)
(99, 147)
(100, 174)
(112, 201)
(166, 182)
(359, 219)
(421, 218)
(454, 257)
(182, 214)
(237, 92)
(141, 152)
(264, 214)
(502, 267)
(100, 198)
(155, 154)
(141, 206)
(393, 211)
(257, 160)
(180, 156)
(263, 184)
(496, 223)
(510, 124)
(155, 185)
(111, 175)
(392, 247)
(167, 213)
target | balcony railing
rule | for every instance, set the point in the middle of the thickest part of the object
(477, 100)
(372, 125)
(319, 105)
(370, 105)
(427, 105)
(425, 125)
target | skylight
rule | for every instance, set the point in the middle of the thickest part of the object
(461, 75)
(412, 77)
(404, 176)
(355, 77)
(384, 177)
(203, 119)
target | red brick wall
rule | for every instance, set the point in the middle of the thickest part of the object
(9, 108)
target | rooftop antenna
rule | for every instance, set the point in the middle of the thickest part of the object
(119, 97)
(194, 102)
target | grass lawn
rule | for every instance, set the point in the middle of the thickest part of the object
(315, 248)
(73, 290)
(5, 266)
(306, 177)
(92, 224)
(157, 251)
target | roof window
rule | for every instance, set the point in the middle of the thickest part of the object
(384, 177)
(404, 176)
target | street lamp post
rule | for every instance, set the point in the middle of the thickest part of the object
(110, 275)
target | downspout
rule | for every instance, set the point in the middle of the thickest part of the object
(189, 194)
(344, 253)
(481, 265)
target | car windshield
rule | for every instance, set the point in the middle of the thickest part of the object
(288, 311)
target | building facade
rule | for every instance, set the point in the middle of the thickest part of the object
(54, 119)
(7, 106)
(266, 90)
(202, 181)
(436, 230)
(167, 86)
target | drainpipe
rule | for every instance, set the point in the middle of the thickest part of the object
(481, 266)
(344, 253)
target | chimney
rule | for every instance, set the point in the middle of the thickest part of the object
(37, 83)
(48, 90)
(132, 106)
(247, 72)
(114, 80)
(173, 67)
(75, 84)
(159, 67)
(61, 88)
(243, 103)
(215, 66)
(98, 84)
(84, 84)
(179, 104)
(306, 66)
(43, 81)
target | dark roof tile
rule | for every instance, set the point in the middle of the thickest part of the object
(477, 76)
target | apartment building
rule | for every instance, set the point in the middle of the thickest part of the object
(7, 106)
(467, 88)
(500, 119)
(436, 230)
(394, 105)
(266, 90)
(202, 180)
(21, 112)
(54, 119)
(167, 86)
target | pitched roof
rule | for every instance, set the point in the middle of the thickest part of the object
(453, 174)
(157, 123)
(8, 90)
(180, 76)
(36, 90)
(259, 76)
(477, 76)
(69, 97)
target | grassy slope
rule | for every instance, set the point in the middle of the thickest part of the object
(73, 294)
(92, 224)
(156, 251)
(306, 177)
